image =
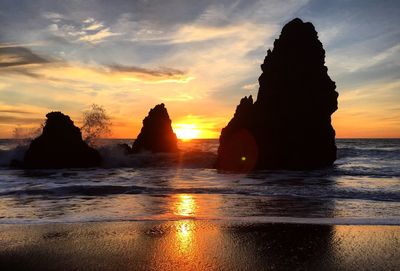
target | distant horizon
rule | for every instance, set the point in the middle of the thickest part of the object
(216, 138)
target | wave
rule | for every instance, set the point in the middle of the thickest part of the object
(368, 152)
(14, 154)
(353, 159)
(115, 156)
(310, 193)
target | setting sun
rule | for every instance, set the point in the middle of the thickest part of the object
(186, 131)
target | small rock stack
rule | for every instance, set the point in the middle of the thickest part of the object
(156, 134)
(60, 146)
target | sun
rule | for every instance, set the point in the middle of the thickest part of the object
(186, 131)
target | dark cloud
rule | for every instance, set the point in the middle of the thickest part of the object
(25, 71)
(17, 120)
(160, 72)
(19, 56)
(14, 111)
(15, 60)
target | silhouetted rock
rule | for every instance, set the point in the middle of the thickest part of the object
(156, 134)
(60, 146)
(289, 126)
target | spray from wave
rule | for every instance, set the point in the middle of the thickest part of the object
(115, 156)
(194, 154)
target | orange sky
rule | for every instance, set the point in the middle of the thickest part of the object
(127, 97)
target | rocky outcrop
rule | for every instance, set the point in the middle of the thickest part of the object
(156, 134)
(60, 146)
(289, 126)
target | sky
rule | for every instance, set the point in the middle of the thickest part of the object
(197, 57)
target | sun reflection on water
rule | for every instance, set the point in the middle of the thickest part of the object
(185, 206)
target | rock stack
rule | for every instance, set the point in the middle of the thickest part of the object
(289, 126)
(60, 146)
(156, 134)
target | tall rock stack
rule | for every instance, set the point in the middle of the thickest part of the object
(290, 123)
(156, 134)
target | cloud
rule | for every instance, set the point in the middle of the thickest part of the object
(77, 74)
(110, 53)
(92, 24)
(19, 56)
(372, 93)
(53, 15)
(250, 86)
(372, 107)
(14, 111)
(360, 59)
(4, 85)
(196, 33)
(89, 21)
(88, 30)
(161, 72)
(99, 36)
(182, 97)
(18, 120)
(22, 61)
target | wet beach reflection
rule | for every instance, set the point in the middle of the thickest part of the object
(199, 245)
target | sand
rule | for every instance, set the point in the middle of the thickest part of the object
(198, 245)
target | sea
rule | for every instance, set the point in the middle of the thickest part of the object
(362, 187)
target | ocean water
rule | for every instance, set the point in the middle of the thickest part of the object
(363, 187)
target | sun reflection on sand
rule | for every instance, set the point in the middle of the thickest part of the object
(375, 240)
(184, 206)
(185, 235)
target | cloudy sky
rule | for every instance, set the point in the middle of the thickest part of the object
(198, 57)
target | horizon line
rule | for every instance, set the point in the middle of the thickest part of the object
(128, 138)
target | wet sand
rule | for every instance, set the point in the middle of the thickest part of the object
(198, 245)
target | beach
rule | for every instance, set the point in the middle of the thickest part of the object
(188, 216)
(198, 245)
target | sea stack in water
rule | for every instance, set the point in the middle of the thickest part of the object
(156, 134)
(289, 126)
(60, 146)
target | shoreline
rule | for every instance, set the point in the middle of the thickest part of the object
(198, 245)
(337, 221)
